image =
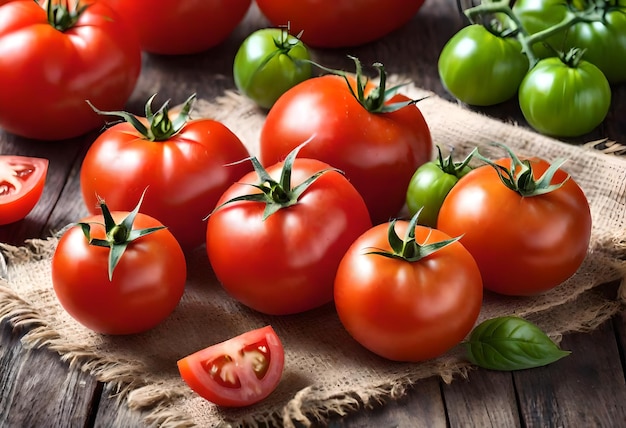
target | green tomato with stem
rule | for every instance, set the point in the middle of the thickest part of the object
(268, 63)
(431, 183)
(480, 67)
(565, 96)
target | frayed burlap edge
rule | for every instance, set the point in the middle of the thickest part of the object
(128, 382)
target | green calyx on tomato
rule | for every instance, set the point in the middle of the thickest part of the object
(277, 195)
(61, 16)
(409, 249)
(160, 126)
(118, 236)
(376, 100)
(519, 177)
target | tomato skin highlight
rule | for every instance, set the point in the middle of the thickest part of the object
(286, 263)
(177, 27)
(146, 285)
(184, 175)
(340, 23)
(242, 385)
(48, 74)
(523, 245)
(378, 152)
(22, 181)
(407, 311)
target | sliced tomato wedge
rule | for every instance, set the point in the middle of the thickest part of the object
(22, 180)
(238, 372)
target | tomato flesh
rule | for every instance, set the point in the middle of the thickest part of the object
(22, 180)
(238, 372)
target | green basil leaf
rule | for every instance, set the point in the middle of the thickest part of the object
(511, 343)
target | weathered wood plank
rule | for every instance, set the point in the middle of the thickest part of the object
(38, 390)
(585, 389)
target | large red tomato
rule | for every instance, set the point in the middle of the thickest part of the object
(22, 180)
(279, 255)
(340, 23)
(523, 244)
(378, 151)
(50, 66)
(412, 303)
(184, 167)
(181, 26)
(138, 293)
(240, 371)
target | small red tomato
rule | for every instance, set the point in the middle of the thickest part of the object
(119, 272)
(408, 299)
(277, 236)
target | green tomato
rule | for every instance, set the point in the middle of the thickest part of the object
(564, 100)
(430, 184)
(268, 63)
(481, 68)
(604, 39)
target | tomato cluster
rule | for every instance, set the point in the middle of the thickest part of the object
(559, 58)
(312, 221)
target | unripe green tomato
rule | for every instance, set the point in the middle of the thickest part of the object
(268, 63)
(427, 190)
(480, 68)
(561, 100)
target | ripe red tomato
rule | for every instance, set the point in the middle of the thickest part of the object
(181, 26)
(48, 73)
(185, 172)
(340, 23)
(285, 263)
(22, 180)
(523, 245)
(407, 310)
(378, 152)
(145, 287)
(240, 371)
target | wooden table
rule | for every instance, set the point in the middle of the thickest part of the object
(586, 389)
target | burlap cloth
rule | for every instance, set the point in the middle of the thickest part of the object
(326, 371)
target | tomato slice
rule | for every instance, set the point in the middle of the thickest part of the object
(238, 372)
(22, 181)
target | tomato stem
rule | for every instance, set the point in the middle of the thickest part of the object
(160, 126)
(118, 236)
(63, 16)
(408, 249)
(594, 12)
(377, 99)
(519, 176)
(277, 195)
(457, 169)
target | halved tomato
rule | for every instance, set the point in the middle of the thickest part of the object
(22, 180)
(238, 372)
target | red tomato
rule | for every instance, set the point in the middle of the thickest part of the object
(523, 245)
(22, 180)
(47, 74)
(378, 152)
(181, 26)
(238, 372)
(286, 263)
(184, 173)
(407, 310)
(340, 23)
(145, 287)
